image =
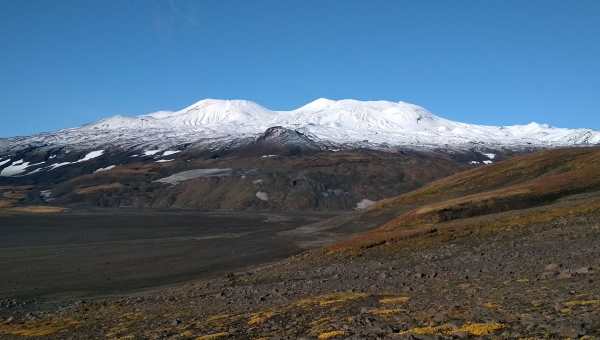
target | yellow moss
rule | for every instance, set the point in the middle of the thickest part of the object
(330, 335)
(388, 312)
(394, 300)
(582, 303)
(523, 280)
(328, 299)
(117, 332)
(536, 303)
(319, 326)
(565, 310)
(260, 317)
(37, 209)
(319, 322)
(36, 328)
(217, 317)
(127, 337)
(185, 334)
(479, 329)
(213, 336)
(429, 330)
(71, 322)
(31, 332)
(492, 305)
(329, 302)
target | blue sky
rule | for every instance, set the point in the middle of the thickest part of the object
(68, 63)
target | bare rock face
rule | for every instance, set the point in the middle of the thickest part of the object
(279, 141)
(258, 178)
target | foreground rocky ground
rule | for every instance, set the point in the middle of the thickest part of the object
(541, 281)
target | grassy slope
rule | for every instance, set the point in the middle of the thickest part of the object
(11, 198)
(534, 180)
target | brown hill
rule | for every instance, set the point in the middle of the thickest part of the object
(559, 182)
(322, 180)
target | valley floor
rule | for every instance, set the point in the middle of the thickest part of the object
(103, 251)
(540, 281)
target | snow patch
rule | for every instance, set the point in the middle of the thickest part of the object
(489, 155)
(164, 160)
(105, 169)
(15, 168)
(473, 162)
(266, 156)
(197, 173)
(262, 195)
(487, 162)
(151, 152)
(167, 153)
(91, 155)
(57, 165)
(364, 203)
(4, 162)
(45, 194)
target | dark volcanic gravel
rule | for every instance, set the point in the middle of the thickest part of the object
(537, 282)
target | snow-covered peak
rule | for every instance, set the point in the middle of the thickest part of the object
(382, 115)
(317, 105)
(214, 111)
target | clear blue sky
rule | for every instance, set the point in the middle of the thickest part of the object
(67, 63)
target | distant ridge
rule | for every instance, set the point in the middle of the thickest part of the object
(371, 124)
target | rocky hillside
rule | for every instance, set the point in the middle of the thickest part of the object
(509, 250)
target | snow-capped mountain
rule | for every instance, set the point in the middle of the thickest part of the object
(341, 122)
(236, 154)
(215, 124)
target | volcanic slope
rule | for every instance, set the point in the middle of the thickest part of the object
(518, 260)
(539, 179)
(290, 173)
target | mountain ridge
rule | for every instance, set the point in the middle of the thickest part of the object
(212, 129)
(343, 121)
